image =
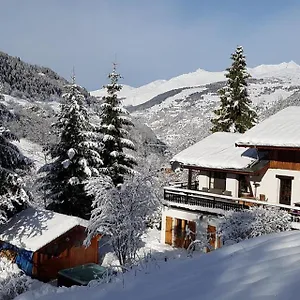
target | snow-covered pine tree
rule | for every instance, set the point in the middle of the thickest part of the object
(114, 119)
(75, 157)
(235, 113)
(13, 164)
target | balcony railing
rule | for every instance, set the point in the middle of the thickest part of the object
(203, 201)
(194, 198)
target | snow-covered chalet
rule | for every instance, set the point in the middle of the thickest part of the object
(233, 171)
(42, 242)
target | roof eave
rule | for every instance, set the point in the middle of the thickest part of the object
(246, 170)
(268, 147)
(228, 170)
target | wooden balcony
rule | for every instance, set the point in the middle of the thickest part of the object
(176, 196)
(200, 199)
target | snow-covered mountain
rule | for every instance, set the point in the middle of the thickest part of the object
(179, 109)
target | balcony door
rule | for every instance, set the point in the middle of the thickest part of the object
(184, 233)
(285, 189)
(217, 181)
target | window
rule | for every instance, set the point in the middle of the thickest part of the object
(285, 190)
(180, 228)
(244, 185)
(217, 181)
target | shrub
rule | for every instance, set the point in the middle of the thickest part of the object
(13, 281)
(256, 221)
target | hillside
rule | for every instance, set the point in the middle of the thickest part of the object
(262, 268)
(179, 109)
(28, 81)
(33, 94)
(31, 82)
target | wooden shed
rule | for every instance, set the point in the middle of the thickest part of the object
(43, 242)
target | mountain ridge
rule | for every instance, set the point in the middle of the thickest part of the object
(179, 110)
(136, 96)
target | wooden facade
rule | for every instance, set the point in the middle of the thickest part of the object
(64, 252)
(284, 159)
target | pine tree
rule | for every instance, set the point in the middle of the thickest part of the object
(235, 113)
(75, 157)
(13, 164)
(116, 162)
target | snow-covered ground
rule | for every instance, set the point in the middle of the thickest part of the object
(32, 150)
(151, 248)
(22, 102)
(13, 281)
(263, 268)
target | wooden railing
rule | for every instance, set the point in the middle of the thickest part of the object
(192, 198)
(197, 200)
(184, 185)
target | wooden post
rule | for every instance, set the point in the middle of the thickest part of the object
(190, 179)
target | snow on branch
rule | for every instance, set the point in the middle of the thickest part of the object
(120, 213)
(127, 143)
(237, 226)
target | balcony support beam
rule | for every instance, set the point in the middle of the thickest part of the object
(190, 174)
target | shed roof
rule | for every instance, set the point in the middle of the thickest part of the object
(33, 228)
(279, 130)
(217, 151)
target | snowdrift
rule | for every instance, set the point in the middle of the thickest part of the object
(267, 267)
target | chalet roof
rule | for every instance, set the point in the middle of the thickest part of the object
(32, 228)
(217, 151)
(279, 130)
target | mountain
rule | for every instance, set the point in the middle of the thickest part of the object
(33, 94)
(179, 110)
(28, 81)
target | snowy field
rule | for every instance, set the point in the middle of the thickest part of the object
(151, 248)
(263, 268)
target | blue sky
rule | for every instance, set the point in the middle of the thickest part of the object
(151, 39)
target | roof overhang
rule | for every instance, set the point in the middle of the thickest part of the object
(253, 170)
(268, 147)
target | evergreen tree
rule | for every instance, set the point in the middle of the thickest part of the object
(75, 157)
(235, 113)
(116, 162)
(13, 164)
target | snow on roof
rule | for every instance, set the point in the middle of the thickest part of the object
(217, 151)
(32, 228)
(279, 130)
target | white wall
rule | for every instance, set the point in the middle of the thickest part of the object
(203, 179)
(232, 184)
(269, 185)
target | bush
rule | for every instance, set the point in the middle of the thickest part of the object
(13, 281)
(237, 226)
